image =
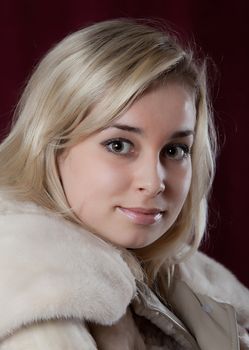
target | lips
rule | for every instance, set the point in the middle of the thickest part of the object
(142, 216)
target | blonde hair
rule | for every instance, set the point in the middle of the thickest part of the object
(87, 80)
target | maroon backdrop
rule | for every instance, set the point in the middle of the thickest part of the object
(29, 28)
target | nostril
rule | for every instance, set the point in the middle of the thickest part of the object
(152, 189)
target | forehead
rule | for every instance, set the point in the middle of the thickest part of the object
(166, 108)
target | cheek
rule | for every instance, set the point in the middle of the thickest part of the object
(187, 180)
(106, 177)
(86, 180)
(181, 181)
(101, 188)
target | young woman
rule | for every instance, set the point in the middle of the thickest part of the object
(104, 182)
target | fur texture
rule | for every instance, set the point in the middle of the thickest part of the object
(208, 277)
(50, 269)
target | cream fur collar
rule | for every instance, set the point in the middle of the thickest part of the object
(50, 268)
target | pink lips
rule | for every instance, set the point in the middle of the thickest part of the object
(142, 216)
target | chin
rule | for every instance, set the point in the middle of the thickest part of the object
(138, 245)
(131, 244)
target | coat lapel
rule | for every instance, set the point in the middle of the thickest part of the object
(212, 323)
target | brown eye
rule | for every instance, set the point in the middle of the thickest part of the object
(119, 146)
(177, 151)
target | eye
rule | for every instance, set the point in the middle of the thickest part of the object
(119, 146)
(177, 151)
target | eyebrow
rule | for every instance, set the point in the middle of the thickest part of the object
(177, 134)
(128, 128)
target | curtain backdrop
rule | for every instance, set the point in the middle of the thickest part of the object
(221, 28)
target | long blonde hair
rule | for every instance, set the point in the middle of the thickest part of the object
(87, 80)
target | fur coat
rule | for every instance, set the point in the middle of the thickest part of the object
(62, 288)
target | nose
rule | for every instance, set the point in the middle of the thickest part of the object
(151, 177)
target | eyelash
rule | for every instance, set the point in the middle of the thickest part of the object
(183, 147)
(112, 141)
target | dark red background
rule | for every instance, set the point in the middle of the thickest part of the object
(30, 27)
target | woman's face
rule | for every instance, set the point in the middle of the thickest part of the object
(128, 182)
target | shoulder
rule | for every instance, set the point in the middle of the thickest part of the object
(207, 276)
(51, 268)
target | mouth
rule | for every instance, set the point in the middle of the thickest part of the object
(142, 216)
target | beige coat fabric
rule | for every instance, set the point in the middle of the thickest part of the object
(63, 288)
